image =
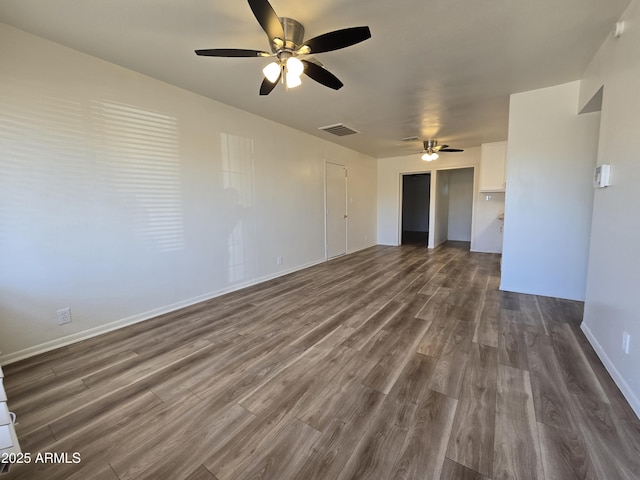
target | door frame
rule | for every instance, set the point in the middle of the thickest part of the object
(401, 212)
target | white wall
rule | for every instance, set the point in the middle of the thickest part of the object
(389, 182)
(361, 191)
(613, 281)
(123, 197)
(460, 204)
(550, 159)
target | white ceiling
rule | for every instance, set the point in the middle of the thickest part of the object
(441, 69)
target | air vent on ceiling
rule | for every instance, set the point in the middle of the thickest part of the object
(409, 139)
(339, 129)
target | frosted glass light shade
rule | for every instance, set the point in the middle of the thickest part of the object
(293, 80)
(427, 157)
(294, 66)
(272, 72)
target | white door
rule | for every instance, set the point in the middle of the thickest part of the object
(336, 210)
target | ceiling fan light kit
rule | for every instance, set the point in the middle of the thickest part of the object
(289, 70)
(431, 149)
(286, 40)
(272, 72)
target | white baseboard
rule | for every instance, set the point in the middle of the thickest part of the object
(359, 249)
(141, 317)
(613, 371)
(485, 251)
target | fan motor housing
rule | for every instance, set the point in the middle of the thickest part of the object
(293, 33)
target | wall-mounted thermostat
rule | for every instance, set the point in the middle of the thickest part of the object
(601, 176)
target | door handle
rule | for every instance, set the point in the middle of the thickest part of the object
(344, 216)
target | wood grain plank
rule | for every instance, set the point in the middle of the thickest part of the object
(551, 399)
(102, 399)
(161, 455)
(300, 374)
(422, 453)
(282, 458)
(512, 349)
(578, 377)
(84, 419)
(516, 445)
(472, 436)
(37, 440)
(454, 471)
(613, 455)
(332, 450)
(564, 455)
(450, 369)
(200, 473)
(551, 312)
(377, 450)
(237, 453)
(105, 442)
(393, 359)
(531, 315)
(487, 327)
(411, 291)
(435, 338)
(128, 371)
(509, 301)
(69, 373)
(319, 407)
(103, 473)
(373, 324)
(245, 374)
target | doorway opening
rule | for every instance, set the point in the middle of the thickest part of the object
(453, 213)
(416, 193)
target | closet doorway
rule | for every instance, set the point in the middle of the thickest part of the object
(416, 193)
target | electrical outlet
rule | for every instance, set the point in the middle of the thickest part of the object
(279, 260)
(626, 342)
(64, 316)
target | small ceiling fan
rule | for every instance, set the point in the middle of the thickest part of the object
(431, 149)
(286, 41)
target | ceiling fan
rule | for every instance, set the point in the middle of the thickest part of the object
(431, 149)
(286, 41)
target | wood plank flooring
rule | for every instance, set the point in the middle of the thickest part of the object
(390, 363)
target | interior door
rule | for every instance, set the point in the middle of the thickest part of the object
(336, 210)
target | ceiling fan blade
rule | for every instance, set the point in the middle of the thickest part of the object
(231, 52)
(451, 150)
(321, 75)
(267, 18)
(338, 39)
(267, 87)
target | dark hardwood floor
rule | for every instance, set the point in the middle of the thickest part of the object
(390, 363)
